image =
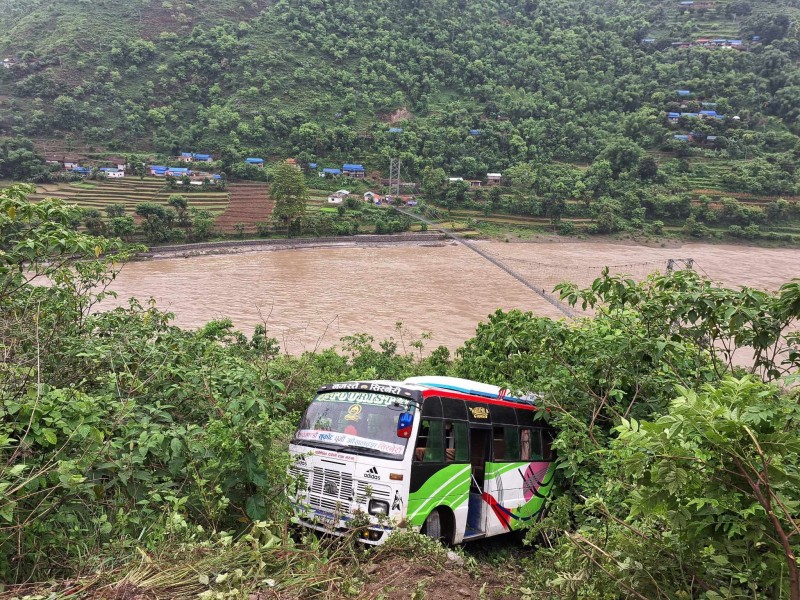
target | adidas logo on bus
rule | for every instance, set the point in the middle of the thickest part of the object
(372, 474)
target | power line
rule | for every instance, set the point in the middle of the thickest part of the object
(498, 263)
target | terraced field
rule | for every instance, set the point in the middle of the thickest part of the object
(129, 191)
(249, 204)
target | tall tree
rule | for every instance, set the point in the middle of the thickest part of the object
(289, 190)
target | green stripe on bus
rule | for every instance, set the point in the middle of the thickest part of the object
(447, 487)
(497, 469)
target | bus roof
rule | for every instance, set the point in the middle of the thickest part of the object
(472, 388)
(415, 388)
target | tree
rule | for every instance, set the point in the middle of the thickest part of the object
(434, 183)
(288, 190)
(648, 168)
(93, 221)
(121, 227)
(622, 155)
(18, 159)
(180, 205)
(157, 221)
(115, 210)
(202, 224)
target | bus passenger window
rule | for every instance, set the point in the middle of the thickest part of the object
(429, 442)
(536, 446)
(512, 442)
(531, 445)
(455, 442)
(498, 444)
(548, 435)
(525, 444)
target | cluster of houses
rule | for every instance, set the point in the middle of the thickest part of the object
(673, 117)
(707, 112)
(348, 170)
(694, 137)
(74, 166)
(492, 179)
(370, 197)
(713, 43)
(710, 43)
(195, 178)
(194, 157)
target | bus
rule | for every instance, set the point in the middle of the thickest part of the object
(458, 459)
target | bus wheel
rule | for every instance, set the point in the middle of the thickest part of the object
(433, 525)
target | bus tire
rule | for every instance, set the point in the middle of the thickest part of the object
(433, 525)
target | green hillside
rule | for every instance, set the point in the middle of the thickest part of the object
(323, 79)
(474, 86)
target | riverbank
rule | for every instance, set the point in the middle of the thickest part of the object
(240, 246)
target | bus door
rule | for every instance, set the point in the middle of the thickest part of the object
(479, 444)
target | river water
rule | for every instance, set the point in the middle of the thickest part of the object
(309, 298)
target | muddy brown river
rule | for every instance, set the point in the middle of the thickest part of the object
(309, 298)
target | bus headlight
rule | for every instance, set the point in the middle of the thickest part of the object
(378, 507)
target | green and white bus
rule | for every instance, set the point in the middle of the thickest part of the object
(459, 459)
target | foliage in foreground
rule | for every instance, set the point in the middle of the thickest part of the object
(116, 425)
(121, 434)
(680, 471)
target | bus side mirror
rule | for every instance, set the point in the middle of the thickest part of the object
(404, 423)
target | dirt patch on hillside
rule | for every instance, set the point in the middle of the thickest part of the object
(397, 578)
(401, 114)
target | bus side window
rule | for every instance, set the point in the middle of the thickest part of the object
(498, 444)
(512, 442)
(456, 448)
(505, 442)
(525, 444)
(429, 442)
(548, 435)
(531, 445)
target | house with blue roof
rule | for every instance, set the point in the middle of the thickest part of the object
(353, 170)
(158, 170)
(82, 171)
(395, 130)
(328, 172)
(684, 92)
(258, 162)
(194, 157)
(179, 171)
(113, 173)
(474, 131)
(673, 117)
(312, 165)
(682, 137)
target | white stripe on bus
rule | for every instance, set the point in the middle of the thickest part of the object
(441, 487)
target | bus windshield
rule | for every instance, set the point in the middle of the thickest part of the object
(355, 422)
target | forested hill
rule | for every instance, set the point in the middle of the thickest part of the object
(476, 85)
